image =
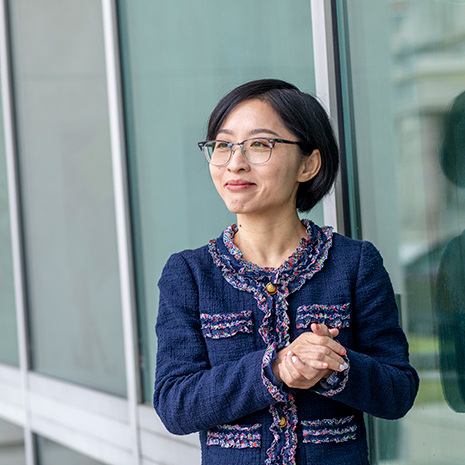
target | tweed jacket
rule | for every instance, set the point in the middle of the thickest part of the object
(221, 322)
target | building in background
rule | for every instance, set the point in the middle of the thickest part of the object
(101, 180)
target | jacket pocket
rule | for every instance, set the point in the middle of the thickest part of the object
(329, 430)
(222, 325)
(235, 436)
(333, 316)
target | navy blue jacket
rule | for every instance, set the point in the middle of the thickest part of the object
(219, 328)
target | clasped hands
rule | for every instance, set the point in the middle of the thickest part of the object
(309, 358)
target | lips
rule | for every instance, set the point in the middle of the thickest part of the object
(238, 184)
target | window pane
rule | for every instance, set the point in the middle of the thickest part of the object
(180, 58)
(51, 453)
(407, 68)
(11, 444)
(8, 330)
(67, 191)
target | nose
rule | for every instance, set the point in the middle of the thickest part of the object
(237, 161)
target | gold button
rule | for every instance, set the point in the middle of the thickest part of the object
(282, 423)
(271, 289)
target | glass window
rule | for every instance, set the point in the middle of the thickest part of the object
(11, 444)
(407, 67)
(51, 453)
(177, 65)
(8, 330)
(67, 191)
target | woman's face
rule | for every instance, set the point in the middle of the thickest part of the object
(268, 188)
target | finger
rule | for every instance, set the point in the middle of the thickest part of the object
(320, 329)
(291, 365)
(285, 375)
(333, 365)
(319, 357)
(334, 332)
(323, 330)
(309, 340)
(301, 371)
(303, 367)
(298, 375)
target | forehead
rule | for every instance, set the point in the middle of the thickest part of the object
(251, 115)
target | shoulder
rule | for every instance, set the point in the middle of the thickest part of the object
(354, 256)
(189, 259)
(346, 243)
(346, 247)
(183, 270)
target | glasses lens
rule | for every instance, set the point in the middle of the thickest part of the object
(217, 152)
(257, 150)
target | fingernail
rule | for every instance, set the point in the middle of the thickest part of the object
(343, 366)
(289, 353)
(343, 351)
(294, 359)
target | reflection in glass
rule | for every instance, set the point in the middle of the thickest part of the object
(450, 296)
(51, 453)
(11, 444)
(176, 67)
(67, 192)
(8, 330)
(407, 65)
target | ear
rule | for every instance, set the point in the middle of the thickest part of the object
(310, 167)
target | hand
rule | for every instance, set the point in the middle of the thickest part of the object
(311, 357)
(296, 374)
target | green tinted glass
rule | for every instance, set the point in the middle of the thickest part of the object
(175, 73)
(407, 92)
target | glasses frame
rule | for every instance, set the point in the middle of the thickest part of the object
(272, 143)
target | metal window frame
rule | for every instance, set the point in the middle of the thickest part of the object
(333, 74)
(21, 379)
(326, 92)
(123, 218)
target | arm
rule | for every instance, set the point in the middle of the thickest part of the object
(190, 395)
(380, 381)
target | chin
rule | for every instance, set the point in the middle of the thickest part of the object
(237, 209)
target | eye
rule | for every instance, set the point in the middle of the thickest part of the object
(259, 144)
(221, 145)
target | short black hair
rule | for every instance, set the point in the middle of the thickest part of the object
(304, 116)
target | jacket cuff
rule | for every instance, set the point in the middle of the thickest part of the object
(274, 387)
(335, 383)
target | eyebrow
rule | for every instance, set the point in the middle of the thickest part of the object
(253, 132)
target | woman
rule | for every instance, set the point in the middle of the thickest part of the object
(275, 338)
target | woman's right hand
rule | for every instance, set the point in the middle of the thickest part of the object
(312, 356)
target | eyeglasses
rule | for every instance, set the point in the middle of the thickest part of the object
(256, 150)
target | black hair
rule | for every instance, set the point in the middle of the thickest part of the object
(304, 116)
(452, 153)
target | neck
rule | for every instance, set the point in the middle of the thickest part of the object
(269, 241)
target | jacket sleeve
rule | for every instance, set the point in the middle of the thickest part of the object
(380, 381)
(190, 395)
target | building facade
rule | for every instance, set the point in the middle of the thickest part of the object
(101, 180)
